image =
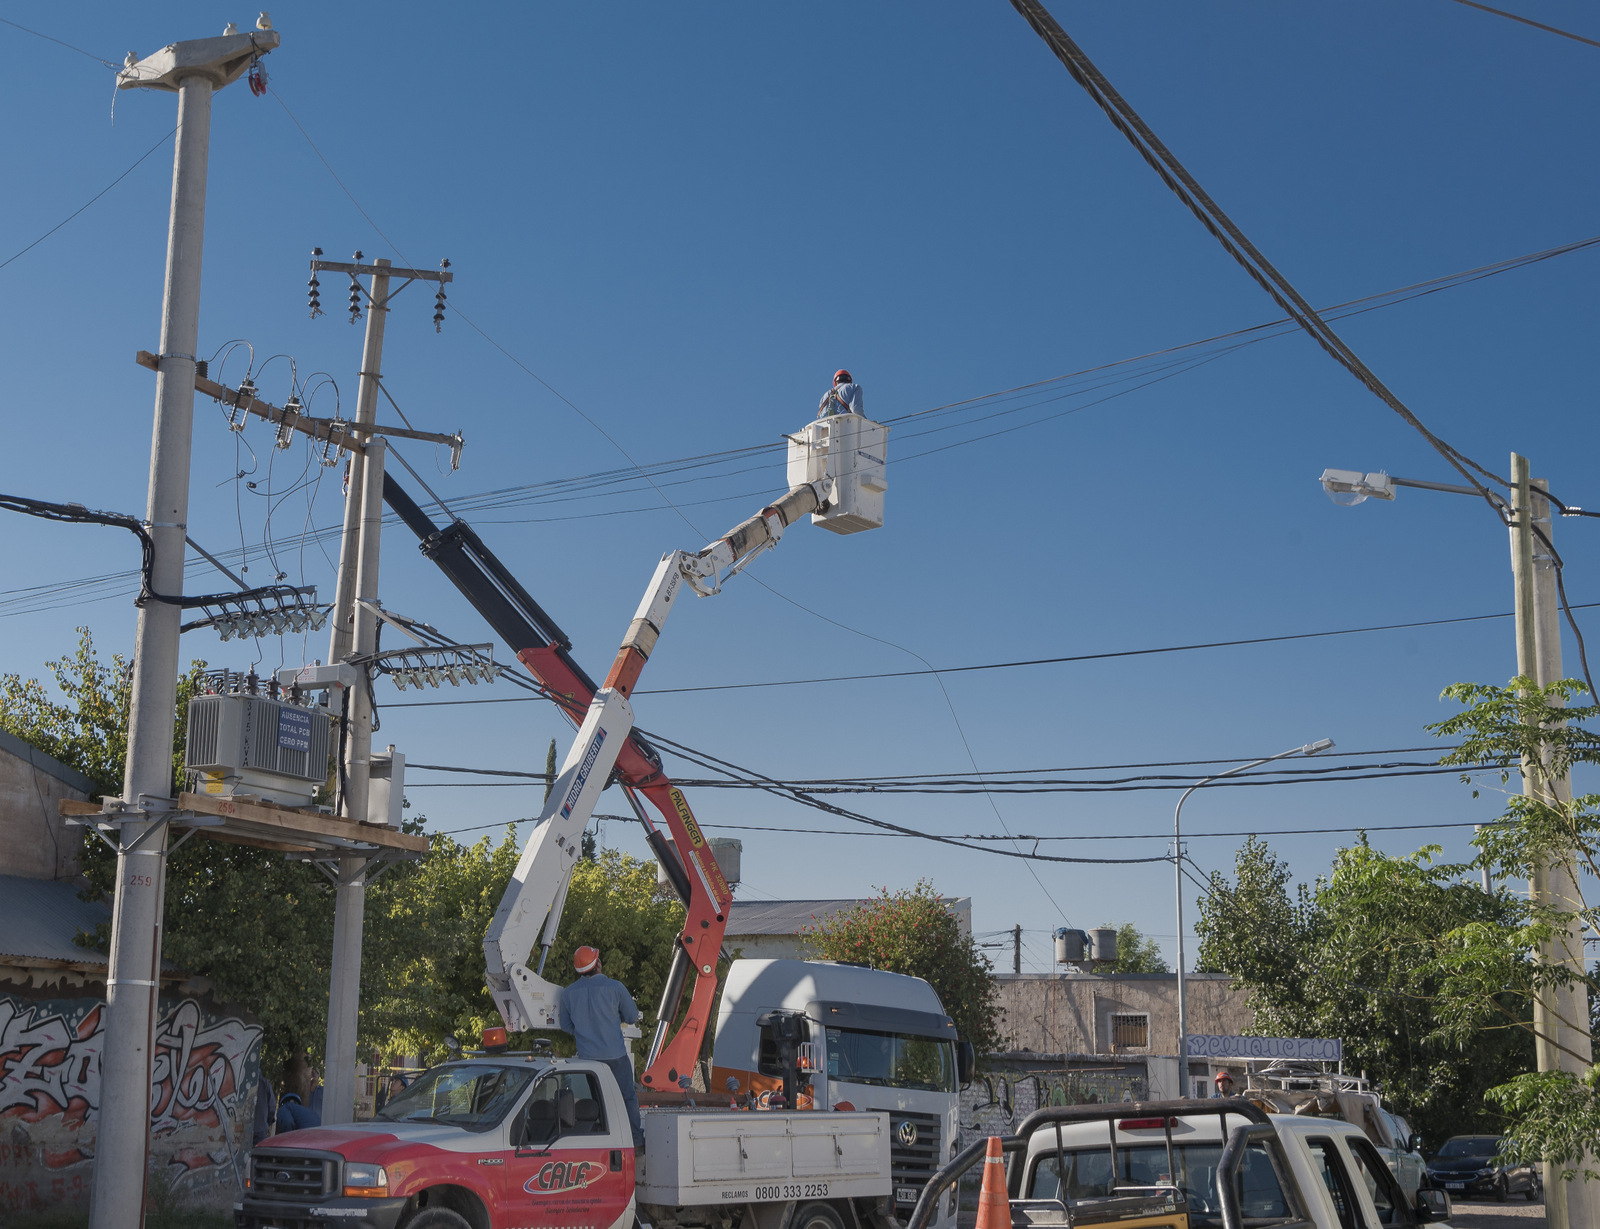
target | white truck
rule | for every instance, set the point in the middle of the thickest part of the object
(866, 1039)
(1208, 1164)
(507, 1141)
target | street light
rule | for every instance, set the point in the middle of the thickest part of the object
(1322, 744)
(1349, 487)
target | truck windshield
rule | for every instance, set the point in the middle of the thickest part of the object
(474, 1097)
(892, 1060)
(1089, 1176)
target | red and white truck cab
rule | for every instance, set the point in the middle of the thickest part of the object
(526, 1142)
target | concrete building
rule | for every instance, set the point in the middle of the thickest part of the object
(1079, 1037)
(775, 929)
(52, 1023)
(34, 842)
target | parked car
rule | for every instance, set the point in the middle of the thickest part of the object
(1469, 1166)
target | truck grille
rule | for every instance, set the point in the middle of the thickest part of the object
(292, 1175)
(914, 1162)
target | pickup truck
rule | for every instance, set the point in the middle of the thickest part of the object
(513, 1141)
(1221, 1163)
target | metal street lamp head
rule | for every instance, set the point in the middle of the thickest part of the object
(1349, 487)
(1322, 744)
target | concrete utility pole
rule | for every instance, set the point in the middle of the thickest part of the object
(1560, 1016)
(355, 634)
(1016, 949)
(193, 70)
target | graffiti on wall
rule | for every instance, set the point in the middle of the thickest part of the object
(202, 1089)
(996, 1101)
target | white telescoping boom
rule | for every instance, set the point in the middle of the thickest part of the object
(836, 471)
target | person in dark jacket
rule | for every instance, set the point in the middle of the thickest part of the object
(295, 1110)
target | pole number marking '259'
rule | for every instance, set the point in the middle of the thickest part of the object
(798, 1190)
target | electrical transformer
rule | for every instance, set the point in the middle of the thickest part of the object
(248, 744)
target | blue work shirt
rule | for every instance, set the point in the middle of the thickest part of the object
(593, 1010)
(842, 399)
(292, 1116)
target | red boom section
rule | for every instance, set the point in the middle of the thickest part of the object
(706, 916)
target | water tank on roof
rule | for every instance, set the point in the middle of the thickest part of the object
(1070, 946)
(1103, 943)
(727, 850)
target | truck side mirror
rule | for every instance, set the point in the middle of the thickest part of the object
(1432, 1205)
(966, 1062)
(1414, 1144)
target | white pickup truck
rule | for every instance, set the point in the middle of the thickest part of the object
(1213, 1164)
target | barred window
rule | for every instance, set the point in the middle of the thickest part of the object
(1130, 1031)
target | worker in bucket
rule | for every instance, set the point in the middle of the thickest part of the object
(843, 398)
(593, 1009)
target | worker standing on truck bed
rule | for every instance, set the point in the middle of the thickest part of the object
(593, 1009)
(843, 398)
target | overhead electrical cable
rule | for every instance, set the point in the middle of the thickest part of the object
(1011, 665)
(92, 199)
(1282, 292)
(1528, 21)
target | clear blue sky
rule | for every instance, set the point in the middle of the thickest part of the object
(685, 218)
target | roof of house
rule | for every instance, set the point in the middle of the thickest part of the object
(39, 918)
(790, 917)
(47, 764)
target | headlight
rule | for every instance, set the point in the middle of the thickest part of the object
(1485, 1172)
(366, 1180)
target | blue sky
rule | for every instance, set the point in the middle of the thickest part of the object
(684, 219)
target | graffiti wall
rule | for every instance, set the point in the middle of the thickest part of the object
(996, 1101)
(202, 1099)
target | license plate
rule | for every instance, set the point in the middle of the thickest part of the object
(906, 1194)
(1455, 1186)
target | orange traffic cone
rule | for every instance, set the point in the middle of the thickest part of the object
(994, 1209)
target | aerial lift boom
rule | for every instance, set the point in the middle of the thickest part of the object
(836, 471)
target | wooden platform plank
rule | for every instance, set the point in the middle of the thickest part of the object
(271, 827)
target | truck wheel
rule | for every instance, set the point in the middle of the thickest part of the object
(437, 1218)
(816, 1216)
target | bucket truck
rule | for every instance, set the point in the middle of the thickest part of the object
(836, 474)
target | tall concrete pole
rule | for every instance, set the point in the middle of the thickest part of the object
(194, 70)
(1560, 1015)
(355, 634)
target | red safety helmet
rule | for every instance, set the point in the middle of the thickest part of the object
(843, 375)
(1224, 1075)
(585, 958)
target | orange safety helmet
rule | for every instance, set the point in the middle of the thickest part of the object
(585, 959)
(842, 374)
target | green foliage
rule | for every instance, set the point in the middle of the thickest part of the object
(423, 973)
(87, 727)
(1366, 957)
(913, 931)
(261, 927)
(1551, 840)
(1136, 953)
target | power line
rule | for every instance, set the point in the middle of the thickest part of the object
(97, 195)
(1037, 661)
(1528, 21)
(1233, 240)
(47, 38)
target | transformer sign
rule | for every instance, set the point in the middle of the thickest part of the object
(1304, 1049)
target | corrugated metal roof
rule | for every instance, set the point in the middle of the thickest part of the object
(40, 917)
(28, 753)
(781, 917)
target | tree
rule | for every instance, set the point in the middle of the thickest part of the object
(1359, 958)
(260, 928)
(913, 931)
(1135, 953)
(1537, 952)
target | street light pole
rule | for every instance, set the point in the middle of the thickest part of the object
(1322, 744)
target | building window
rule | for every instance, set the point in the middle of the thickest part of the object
(1130, 1031)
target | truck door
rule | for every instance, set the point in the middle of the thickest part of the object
(569, 1164)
